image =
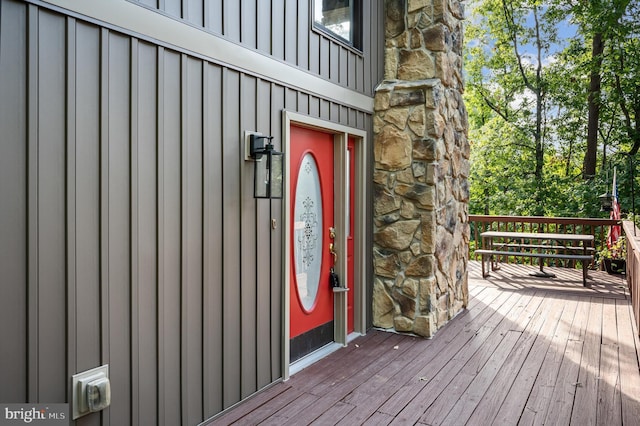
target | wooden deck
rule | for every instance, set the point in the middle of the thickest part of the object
(527, 351)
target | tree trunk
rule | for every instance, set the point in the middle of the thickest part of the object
(590, 156)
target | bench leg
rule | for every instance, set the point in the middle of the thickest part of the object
(485, 271)
(584, 274)
(495, 266)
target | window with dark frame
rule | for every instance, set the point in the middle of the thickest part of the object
(340, 18)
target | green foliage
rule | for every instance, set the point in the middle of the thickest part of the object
(618, 250)
(526, 95)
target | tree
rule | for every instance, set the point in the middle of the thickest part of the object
(506, 68)
(598, 21)
(547, 112)
(593, 101)
(624, 68)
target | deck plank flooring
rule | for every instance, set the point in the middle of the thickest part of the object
(488, 352)
(629, 380)
(512, 405)
(527, 351)
(483, 406)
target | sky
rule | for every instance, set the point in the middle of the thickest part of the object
(566, 30)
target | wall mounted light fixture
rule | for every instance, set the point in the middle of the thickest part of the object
(606, 201)
(268, 167)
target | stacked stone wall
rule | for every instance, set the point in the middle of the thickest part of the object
(421, 154)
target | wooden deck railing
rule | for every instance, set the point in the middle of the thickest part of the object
(596, 227)
(633, 267)
(562, 225)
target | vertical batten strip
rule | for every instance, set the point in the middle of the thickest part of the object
(104, 203)
(183, 242)
(160, 202)
(200, 140)
(135, 243)
(206, 19)
(204, 137)
(218, 297)
(71, 195)
(33, 228)
(206, 252)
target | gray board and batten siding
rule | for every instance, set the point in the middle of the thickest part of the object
(282, 29)
(128, 231)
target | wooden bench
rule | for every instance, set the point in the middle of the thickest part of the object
(520, 249)
(586, 259)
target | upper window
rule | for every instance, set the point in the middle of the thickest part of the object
(340, 18)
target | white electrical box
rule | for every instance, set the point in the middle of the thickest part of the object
(91, 391)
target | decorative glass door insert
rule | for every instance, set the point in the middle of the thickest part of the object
(308, 229)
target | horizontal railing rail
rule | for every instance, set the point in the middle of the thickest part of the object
(633, 267)
(599, 228)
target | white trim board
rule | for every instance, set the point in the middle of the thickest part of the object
(167, 30)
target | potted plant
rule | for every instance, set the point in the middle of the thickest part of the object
(614, 259)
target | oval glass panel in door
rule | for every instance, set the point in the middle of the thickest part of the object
(308, 232)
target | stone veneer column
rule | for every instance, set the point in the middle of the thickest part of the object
(421, 152)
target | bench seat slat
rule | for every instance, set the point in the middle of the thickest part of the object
(527, 254)
(542, 246)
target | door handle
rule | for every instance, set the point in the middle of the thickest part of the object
(333, 252)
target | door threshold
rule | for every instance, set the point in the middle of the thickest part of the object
(317, 355)
(313, 357)
(353, 335)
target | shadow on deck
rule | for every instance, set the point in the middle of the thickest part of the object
(526, 351)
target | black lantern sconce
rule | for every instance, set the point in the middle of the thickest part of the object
(268, 167)
(606, 202)
(606, 199)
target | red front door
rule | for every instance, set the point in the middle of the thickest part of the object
(312, 215)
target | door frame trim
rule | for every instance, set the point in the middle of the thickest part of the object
(341, 137)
